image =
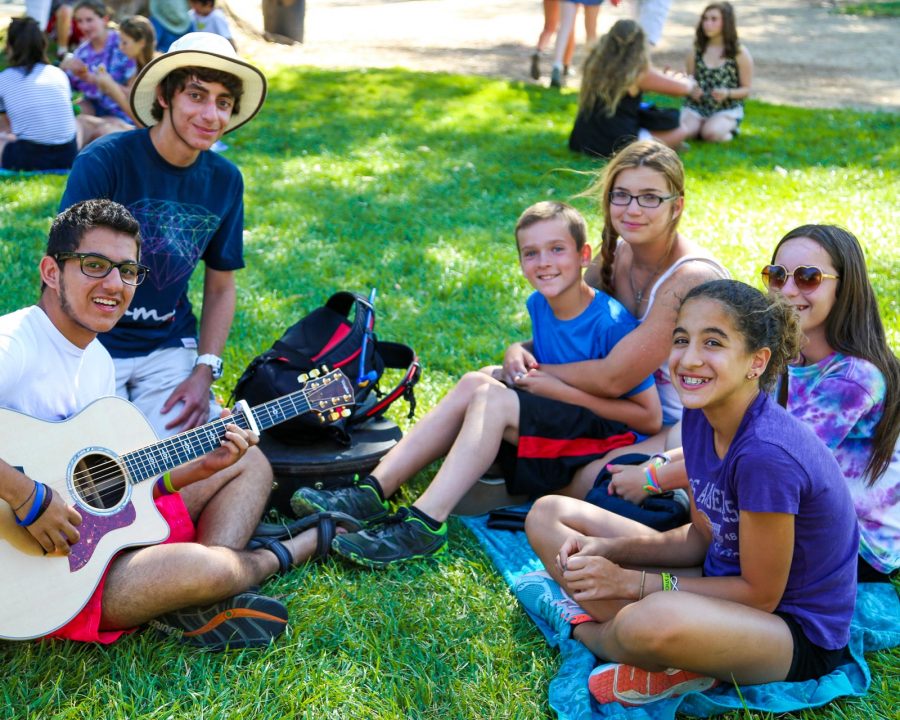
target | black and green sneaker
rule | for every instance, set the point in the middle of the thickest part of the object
(404, 536)
(361, 500)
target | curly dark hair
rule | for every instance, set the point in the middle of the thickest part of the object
(764, 322)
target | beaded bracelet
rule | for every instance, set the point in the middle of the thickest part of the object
(36, 507)
(651, 487)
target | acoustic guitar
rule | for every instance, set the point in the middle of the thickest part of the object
(41, 592)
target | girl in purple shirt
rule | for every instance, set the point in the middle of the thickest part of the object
(760, 585)
(98, 54)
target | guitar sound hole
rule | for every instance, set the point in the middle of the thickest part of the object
(99, 481)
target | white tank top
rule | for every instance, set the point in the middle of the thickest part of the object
(671, 404)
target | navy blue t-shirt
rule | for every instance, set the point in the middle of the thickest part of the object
(186, 215)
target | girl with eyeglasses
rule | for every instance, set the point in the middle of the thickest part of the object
(760, 585)
(845, 383)
(648, 266)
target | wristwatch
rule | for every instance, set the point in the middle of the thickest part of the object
(214, 362)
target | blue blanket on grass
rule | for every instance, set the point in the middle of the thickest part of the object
(875, 626)
(25, 173)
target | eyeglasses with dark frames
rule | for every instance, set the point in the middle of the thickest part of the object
(645, 200)
(806, 277)
(98, 266)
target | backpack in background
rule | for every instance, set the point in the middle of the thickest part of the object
(338, 335)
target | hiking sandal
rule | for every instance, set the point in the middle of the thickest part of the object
(269, 535)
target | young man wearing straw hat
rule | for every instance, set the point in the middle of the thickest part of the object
(189, 203)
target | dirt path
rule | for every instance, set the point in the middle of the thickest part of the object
(804, 54)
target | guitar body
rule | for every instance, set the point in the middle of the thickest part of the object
(40, 593)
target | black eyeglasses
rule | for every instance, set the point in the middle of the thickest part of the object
(98, 266)
(806, 277)
(645, 200)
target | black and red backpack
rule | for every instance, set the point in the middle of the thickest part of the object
(339, 335)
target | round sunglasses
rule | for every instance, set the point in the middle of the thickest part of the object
(806, 277)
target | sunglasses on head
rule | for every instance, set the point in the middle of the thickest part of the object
(806, 277)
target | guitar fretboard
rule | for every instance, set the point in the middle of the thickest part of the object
(154, 460)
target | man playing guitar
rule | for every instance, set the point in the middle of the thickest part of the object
(195, 584)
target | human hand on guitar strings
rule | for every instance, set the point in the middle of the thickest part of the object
(235, 444)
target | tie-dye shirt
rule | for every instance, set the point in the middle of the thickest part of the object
(842, 398)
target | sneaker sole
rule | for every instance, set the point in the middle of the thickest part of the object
(381, 564)
(235, 628)
(631, 686)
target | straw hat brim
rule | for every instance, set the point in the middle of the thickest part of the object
(143, 91)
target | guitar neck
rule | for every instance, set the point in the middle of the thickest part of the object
(154, 460)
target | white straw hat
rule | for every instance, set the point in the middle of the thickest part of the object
(199, 49)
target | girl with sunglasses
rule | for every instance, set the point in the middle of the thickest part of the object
(845, 383)
(760, 585)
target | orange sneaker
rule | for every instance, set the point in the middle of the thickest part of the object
(630, 685)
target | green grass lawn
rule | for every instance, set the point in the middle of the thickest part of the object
(412, 183)
(876, 8)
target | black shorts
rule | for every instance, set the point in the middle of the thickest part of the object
(555, 439)
(27, 155)
(810, 661)
(866, 573)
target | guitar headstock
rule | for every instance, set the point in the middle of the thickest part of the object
(329, 395)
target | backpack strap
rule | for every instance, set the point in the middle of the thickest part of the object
(400, 356)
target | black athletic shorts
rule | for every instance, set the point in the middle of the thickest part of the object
(810, 661)
(555, 439)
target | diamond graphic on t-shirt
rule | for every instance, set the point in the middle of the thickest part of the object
(174, 236)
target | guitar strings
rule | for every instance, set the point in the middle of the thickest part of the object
(107, 475)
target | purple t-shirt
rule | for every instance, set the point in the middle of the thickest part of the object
(776, 464)
(117, 64)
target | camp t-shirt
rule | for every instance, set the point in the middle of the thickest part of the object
(775, 464)
(186, 214)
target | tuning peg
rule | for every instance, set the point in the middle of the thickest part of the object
(324, 369)
(345, 413)
(333, 416)
(321, 418)
(302, 377)
(314, 373)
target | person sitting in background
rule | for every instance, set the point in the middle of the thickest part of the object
(137, 41)
(99, 53)
(206, 17)
(724, 71)
(38, 130)
(170, 20)
(609, 105)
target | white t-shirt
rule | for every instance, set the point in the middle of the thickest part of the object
(44, 375)
(215, 22)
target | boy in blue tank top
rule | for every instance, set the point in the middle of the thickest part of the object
(539, 428)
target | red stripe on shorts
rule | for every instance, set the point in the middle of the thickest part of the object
(540, 447)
